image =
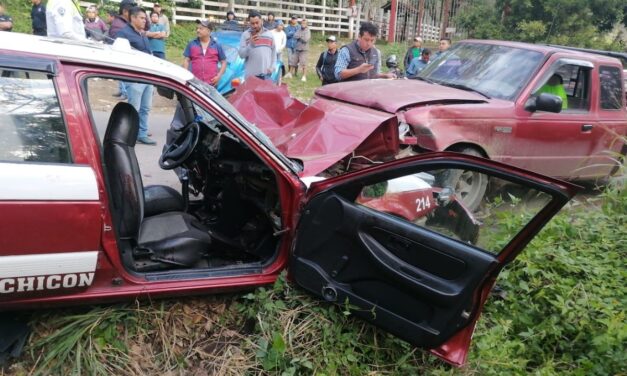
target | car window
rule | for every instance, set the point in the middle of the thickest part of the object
(164, 118)
(32, 128)
(497, 71)
(571, 82)
(611, 97)
(439, 201)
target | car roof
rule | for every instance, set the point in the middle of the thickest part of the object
(547, 50)
(93, 53)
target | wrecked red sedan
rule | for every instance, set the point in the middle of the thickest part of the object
(231, 205)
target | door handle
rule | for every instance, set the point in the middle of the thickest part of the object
(586, 127)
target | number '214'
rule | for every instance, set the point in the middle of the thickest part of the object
(422, 203)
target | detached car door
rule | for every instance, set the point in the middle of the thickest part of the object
(405, 253)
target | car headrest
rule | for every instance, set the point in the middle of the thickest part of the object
(123, 125)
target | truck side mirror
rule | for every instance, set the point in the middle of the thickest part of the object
(544, 102)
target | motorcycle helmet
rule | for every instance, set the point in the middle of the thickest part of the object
(391, 62)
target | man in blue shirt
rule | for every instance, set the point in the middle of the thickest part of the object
(418, 63)
(290, 31)
(360, 59)
(139, 95)
(156, 36)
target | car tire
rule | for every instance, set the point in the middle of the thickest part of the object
(469, 186)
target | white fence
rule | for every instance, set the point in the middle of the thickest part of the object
(340, 20)
(321, 17)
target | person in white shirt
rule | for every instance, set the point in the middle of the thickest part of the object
(280, 39)
(64, 20)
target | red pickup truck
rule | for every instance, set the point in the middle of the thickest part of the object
(483, 98)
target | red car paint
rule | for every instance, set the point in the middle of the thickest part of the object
(319, 134)
(69, 227)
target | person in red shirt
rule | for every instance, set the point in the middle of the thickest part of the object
(203, 54)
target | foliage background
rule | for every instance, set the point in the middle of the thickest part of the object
(578, 23)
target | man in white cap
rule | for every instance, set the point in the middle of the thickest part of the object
(325, 68)
(413, 52)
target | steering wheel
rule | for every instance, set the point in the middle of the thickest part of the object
(181, 148)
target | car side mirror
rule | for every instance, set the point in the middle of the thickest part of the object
(544, 102)
(165, 92)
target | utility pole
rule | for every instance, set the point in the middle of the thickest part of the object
(421, 15)
(392, 26)
(445, 17)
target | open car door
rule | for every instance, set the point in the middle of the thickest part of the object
(404, 253)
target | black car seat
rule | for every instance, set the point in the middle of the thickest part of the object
(168, 239)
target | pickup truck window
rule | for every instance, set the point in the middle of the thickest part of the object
(611, 93)
(576, 82)
(497, 71)
(31, 125)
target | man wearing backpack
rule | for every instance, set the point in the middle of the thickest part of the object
(325, 68)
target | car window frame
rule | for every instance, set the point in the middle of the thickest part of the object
(623, 89)
(554, 67)
(49, 69)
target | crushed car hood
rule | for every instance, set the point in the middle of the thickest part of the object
(394, 95)
(319, 134)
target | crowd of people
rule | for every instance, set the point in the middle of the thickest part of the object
(261, 45)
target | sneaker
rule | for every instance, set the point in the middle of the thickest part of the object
(146, 141)
(288, 75)
(149, 134)
(304, 79)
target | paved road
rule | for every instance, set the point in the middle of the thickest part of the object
(148, 156)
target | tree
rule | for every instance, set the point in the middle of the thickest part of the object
(570, 22)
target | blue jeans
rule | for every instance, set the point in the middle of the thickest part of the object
(140, 97)
(122, 87)
(159, 54)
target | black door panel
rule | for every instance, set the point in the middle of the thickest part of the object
(374, 260)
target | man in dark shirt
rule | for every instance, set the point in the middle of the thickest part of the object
(121, 20)
(270, 22)
(38, 18)
(139, 95)
(6, 22)
(360, 59)
(326, 62)
(231, 22)
(118, 23)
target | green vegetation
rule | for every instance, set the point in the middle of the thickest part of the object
(578, 23)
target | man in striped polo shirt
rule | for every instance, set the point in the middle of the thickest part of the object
(257, 48)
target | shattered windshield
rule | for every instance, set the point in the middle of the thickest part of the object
(492, 70)
(214, 95)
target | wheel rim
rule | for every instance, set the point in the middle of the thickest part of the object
(470, 188)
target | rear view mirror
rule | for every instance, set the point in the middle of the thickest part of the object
(544, 102)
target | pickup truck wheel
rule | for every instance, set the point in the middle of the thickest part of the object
(469, 186)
